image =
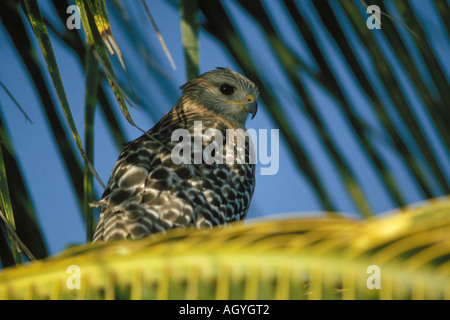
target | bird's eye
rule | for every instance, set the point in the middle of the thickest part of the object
(226, 89)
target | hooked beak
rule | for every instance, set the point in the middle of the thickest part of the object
(251, 106)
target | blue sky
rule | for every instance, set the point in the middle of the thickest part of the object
(285, 192)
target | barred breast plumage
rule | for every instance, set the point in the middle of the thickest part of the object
(149, 189)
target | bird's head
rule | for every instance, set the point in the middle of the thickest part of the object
(225, 92)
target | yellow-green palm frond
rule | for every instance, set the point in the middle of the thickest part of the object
(299, 258)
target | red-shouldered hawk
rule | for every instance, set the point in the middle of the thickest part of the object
(152, 188)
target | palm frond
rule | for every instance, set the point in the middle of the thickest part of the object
(8, 217)
(280, 259)
(189, 31)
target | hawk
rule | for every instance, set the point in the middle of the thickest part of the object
(152, 188)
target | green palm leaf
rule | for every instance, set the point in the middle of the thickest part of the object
(6, 213)
(189, 30)
(280, 259)
(37, 22)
